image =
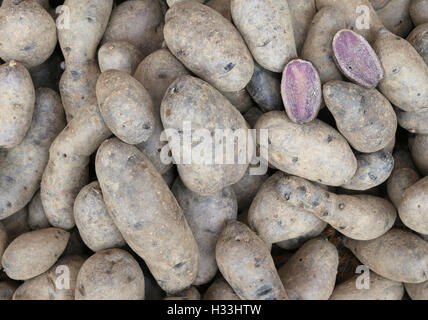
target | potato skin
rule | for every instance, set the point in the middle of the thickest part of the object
(7, 288)
(21, 167)
(111, 274)
(45, 286)
(34, 252)
(209, 110)
(418, 38)
(310, 274)
(16, 224)
(398, 182)
(418, 146)
(302, 13)
(187, 25)
(172, 2)
(395, 16)
(222, 6)
(417, 291)
(3, 239)
(296, 243)
(398, 255)
(147, 214)
(36, 214)
(240, 99)
(189, 294)
(414, 122)
(14, 121)
(245, 262)
(380, 289)
(220, 290)
(119, 55)
(95, 225)
(298, 149)
(419, 11)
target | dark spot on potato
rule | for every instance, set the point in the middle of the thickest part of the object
(82, 290)
(229, 66)
(295, 159)
(329, 138)
(341, 206)
(67, 49)
(287, 196)
(325, 214)
(8, 204)
(146, 126)
(372, 176)
(90, 20)
(263, 290)
(315, 204)
(75, 75)
(342, 228)
(178, 265)
(162, 76)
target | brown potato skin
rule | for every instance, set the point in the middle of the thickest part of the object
(417, 291)
(14, 121)
(414, 122)
(220, 290)
(395, 16)
(418, 146)
(111, 274)
(380, 289)
(398, 182)
(222, 6)
(147, 214)
(7, 288)
(189, 294)
(302, 12)
(419, 11)
(119, 55)
(418, 38)
(21, 167)
(245, 262)
(34, 252)
(36, 214)
(398, 255)
(310, 274)
(296, 243)
(187, 25)
(240, 99)
(172, 2)
(299, 149)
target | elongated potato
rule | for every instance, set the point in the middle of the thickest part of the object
(7, 288)
(419, 11)
(17, 105)
(221, 6)
(34, 252)
(363, 116)
(189, 294)
(398, 255)
(298, 149)
(245, 262)
(220, 290)
(418, 146)
(95, 225)
(361, 217)
(273, 219)
(418, 38)
(406, 75)
(58, 283)
(111, 274)
(147, 214)
(16, 224)
(187, 25)
(119, 55)
(36, 214)
(417, 291)
(206, 110)
(21, 168)
(379, 289)
(310, 274)
(302, 13)
(395, 16)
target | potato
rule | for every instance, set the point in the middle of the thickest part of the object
(240, 99)
(398, 255)
(119, 55)
(267, 28)
(36, 214)
(419, 11)
(398, 182)
(220, 290)
(302, 13)
(317, 47)
(252, 116)
(21, 167)
(189, 294)
(34, 252)
(147, 214)
(418, 38)
(66, 172)
(301, 91)
(273, 219)
(17, 106)
(414, 122)
(27, 33)
(223, 60)
(3, 239)
(111, 274)
(363, 116)
(245, 262)
(222, 6)
(360, 217)
(417, 291)
(418, 146)
(147, 21)
(247, 188)
(206, 216)
(310, 274)
(16, 224)
(373, 170)
(7, 288)
(58, 283)
(95, 225)
(406, 75)
(296, 243)
(265, 89)
(172, 2)
(314, 151)
(379, 289)
(191, 99)
(395, 16)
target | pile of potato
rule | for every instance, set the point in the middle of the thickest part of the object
(90, 209)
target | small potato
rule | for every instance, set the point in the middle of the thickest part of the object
(34, 252)
(220, 290)
(245, 262)
(7, 288)
(147, 214)
(363, 116)
(273, 219)
(418, 38)
(398, 255)
(223, 60)
(119, 55)
(139, 23)
(302, 13)
(126, 106)
(395, 16)
(27, 33)
(418, 146)
(414, 122)
(17, 104)
(36, 214)
(267, 28)
(296, 243)
(419, 11)
(379, 289)
(361, 217)
(58, 283)
(3, 239)
(189, 294)
(240, 99)
(207, 216)
(310, 274)
(405, 83)
(398, 182)
(111, 274)
(222, 6)
(417, 291)
(314, 151)
(95, 225)
(16, 224)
